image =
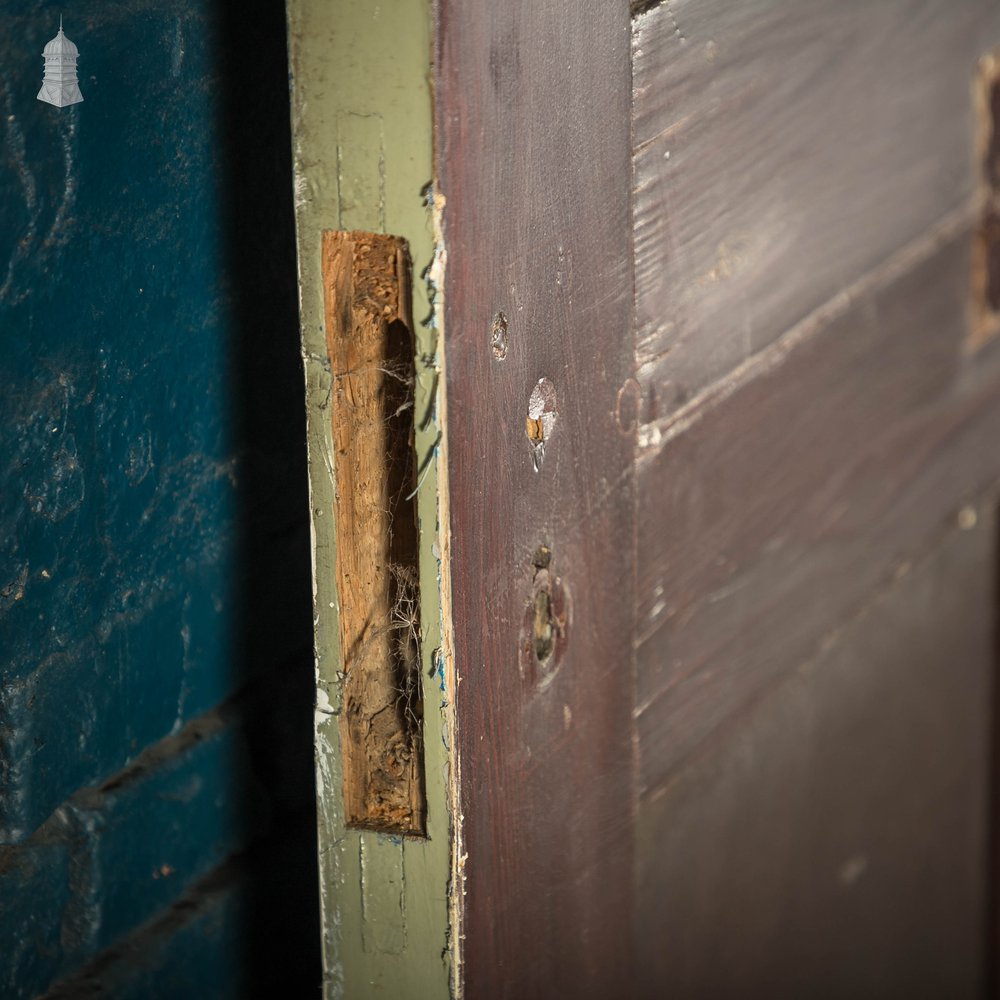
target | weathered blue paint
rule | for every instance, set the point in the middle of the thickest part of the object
(119, 461)
(152, 508)
(73, 886)
(204, 955)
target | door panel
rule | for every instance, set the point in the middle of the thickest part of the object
(716, 443)
(816, 479)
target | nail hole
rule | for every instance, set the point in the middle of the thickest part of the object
(544, 627)
(546, 622)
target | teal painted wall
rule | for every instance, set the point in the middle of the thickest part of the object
(156, 691)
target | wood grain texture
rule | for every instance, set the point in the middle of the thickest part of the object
(533, 159)
(817, 476)
(772, 517)
(366, 290)
(782, 151)
(836, 845)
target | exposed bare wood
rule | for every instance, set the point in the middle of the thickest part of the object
(370, 342)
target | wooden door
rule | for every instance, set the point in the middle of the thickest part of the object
(717, 477)
(817, 480)
(769, 496)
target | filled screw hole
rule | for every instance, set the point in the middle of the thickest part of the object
(541, 419)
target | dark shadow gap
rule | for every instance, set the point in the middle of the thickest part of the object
(281, 931)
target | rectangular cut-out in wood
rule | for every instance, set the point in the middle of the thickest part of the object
(986, 249)
(370, 343)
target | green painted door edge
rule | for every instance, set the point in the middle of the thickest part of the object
(363, 159)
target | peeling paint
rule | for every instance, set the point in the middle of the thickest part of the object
(450, 676)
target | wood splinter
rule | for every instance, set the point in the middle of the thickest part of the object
(371, 347)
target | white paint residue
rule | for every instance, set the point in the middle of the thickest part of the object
(324, 707)
(301, 191)
(648, 436)
(541, 407)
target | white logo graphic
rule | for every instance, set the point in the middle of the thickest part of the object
(60, 87)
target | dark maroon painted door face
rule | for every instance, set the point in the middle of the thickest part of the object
(724, 474)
